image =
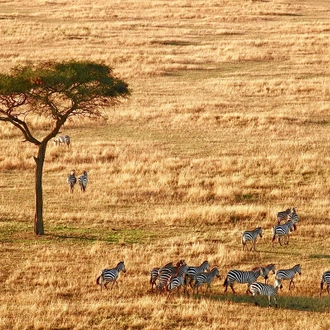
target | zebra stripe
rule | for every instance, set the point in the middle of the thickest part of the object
(293, 216)
(283, 216)
(71, 180)
(194, 270)
(325, 279)
(262, 289)
(166, 272)
(110, 275)
(153, 277)
(282, 231)
(265, 271)
(251, 236)
(177, 280)
(83, 179)
(288, 274)
(241, 277)
(206, 278)
(63, 139)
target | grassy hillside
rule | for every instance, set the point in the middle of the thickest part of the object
(228, 124)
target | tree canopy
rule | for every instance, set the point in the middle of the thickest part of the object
(56, 90)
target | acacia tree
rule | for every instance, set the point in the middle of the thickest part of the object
(57, 90)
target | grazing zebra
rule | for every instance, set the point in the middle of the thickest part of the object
(283, 216)
(71, 180)
(166, 272)
(288, 274)
(110, 275)
(241, 277)
(193, 270)
(265, 290)
(207, 278)
(325, 279)
(83, 179)
(177, 280)
(251, 236)
(282, 231)
(293, 216)
(266, 270)
(63, 139)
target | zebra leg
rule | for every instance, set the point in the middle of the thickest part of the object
(328, 287)
(275, 301)
(232, 288)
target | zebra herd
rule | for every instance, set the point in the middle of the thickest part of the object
(171, 276)
(281, 231)
(174, 276)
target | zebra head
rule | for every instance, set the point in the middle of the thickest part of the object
(216, 272)
(205, 265)
(121, 266)
(259, 231)
(297, 269)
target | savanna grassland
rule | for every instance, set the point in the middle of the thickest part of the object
(228, 123)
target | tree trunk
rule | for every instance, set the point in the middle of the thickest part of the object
(38, 219)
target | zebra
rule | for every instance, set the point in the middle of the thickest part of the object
(241, 277)
(110, 275)
(71, 180)
(325, 279)
(283, 215)
(154, 273)
(293, 216)
(83, 179)
(251, 236)
(282, 231)
(288, 274)
(193, 270)
(262, 289)
(63, 139)
(207, 278)
(265, 271)
(177, 280)
(166, 272)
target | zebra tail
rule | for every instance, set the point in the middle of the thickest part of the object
(225, 283)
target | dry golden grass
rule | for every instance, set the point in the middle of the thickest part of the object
(228, 124)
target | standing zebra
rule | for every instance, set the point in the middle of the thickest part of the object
(293, 216)
(166, 272)
(83, 179)
(194, 270)
(251, 236)
(63, 139)
(282, 231)
(283, 216)
(177, 280)
(71, 180)
(325, 279)
(265, 290)
(288, 274)
(207, 278)
(241, 277)
(110, 275)
(266, 270)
